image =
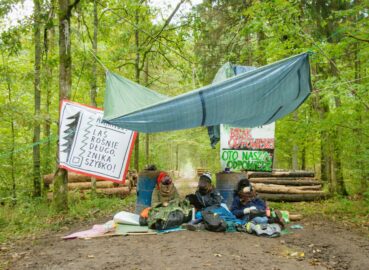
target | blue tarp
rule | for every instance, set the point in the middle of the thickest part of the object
(256, 97)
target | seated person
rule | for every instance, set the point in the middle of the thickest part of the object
(167, 210)
(246, 205)
(164, 191)
(206, 195)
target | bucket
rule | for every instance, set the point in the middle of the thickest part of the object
(145, 186)
(227, 183)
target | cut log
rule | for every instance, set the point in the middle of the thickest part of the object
(293, 197)
(315, 187)
(295, 182)
(281, 189)
(120, 191)
(72, 178)
(296, 217)
(281, 174)
(285, 178)
(87, 185)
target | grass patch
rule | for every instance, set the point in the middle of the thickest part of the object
(352, 212)
(32, 217)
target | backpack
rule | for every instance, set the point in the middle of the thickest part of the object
(174, 219)
(213, 222)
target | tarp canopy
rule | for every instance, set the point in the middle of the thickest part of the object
(227, 71)
(256, 97)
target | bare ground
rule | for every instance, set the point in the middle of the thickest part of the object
(319, 245)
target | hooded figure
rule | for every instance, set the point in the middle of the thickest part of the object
(165, 190)
(206, 195)
(246, 205)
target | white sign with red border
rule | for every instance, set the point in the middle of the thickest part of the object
(89, 146)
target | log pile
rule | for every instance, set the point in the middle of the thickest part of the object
(289, 186)
(81, 184)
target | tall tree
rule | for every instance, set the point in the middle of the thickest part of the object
(48, 63)
(137, 75)
(93, 91)
(65, 84)
(12, 129)
(37, 89)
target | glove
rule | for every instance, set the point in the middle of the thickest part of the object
(249, 209)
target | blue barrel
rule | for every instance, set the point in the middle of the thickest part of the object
(227, 183)
(145, 186)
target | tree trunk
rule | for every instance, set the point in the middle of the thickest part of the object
(337, 164)
(49, 46)
(93, 91)
(260, 39)
(137, 77)
(12, 161)
(12, 148)
(325, 158)
(177, 157)
(303, 158)
(146, 81)
(363, 163)
(37, 128)
(295, 148)
(94, 64)
(65, 84)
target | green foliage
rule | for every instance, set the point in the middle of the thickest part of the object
(181, 56)
(350, 212)
(33, 216)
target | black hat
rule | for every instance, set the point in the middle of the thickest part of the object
(243, 183)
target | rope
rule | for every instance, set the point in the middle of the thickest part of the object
(78, 35)
(51, 138)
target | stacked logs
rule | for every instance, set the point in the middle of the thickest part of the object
(201, 171)
(291, 186)
(82, 184)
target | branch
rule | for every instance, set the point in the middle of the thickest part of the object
(357, 38)
(124, 64)
(87, 28)
(167, 21)
(144, 58)
(168, 60)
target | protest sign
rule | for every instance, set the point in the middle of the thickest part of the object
(91, 147)
(249, 149)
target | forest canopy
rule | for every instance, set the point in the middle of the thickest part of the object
(63, 49)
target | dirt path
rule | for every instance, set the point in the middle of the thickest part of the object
(319, 245)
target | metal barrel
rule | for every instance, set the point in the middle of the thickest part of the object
(145, 186)
(227, 183)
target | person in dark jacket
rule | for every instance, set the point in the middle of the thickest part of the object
(206, 195)
(246, 205)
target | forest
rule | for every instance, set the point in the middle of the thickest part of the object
(62, 49)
